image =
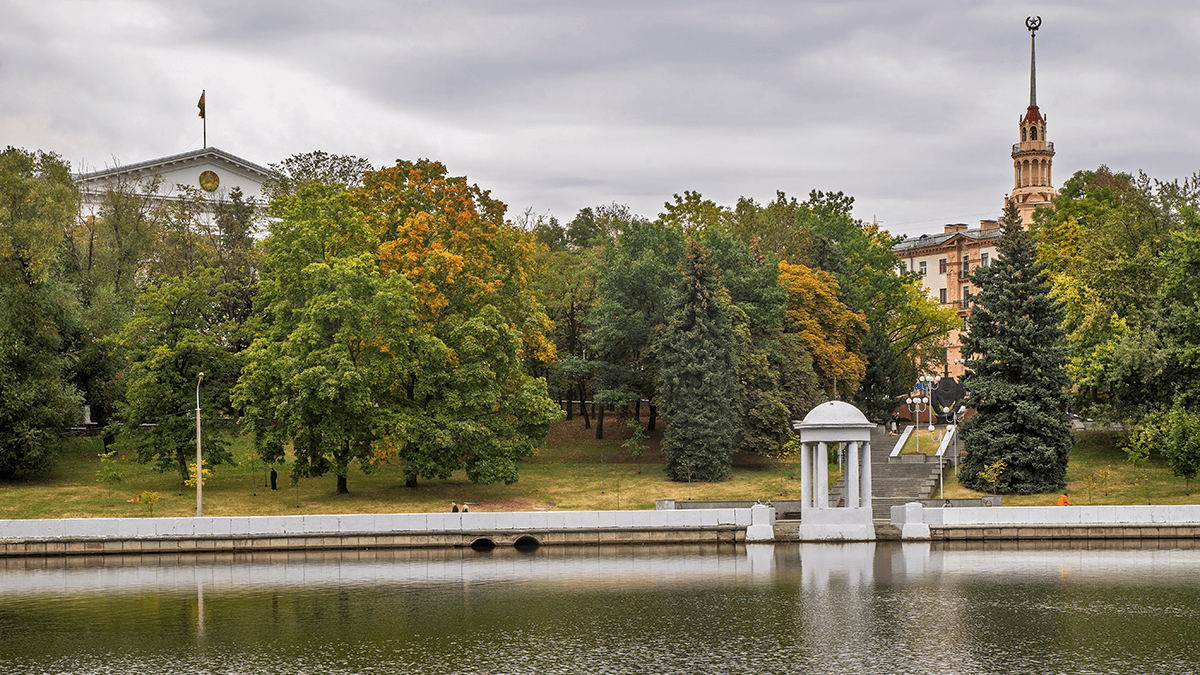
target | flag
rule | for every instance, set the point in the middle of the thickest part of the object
(200, 105)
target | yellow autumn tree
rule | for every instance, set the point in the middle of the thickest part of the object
(466, 401)
(830, 331)
(450, 239)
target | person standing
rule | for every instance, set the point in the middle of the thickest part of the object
(453, 507)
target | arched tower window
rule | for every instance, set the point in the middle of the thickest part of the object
(1023, 139)
(1033, 133)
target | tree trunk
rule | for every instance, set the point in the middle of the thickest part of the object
(637, 409)
(570, 410)
(653, 416)
(599, 421)
(587, 421)
(341, 486)
(410, 482)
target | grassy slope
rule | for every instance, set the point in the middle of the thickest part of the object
(574, 472)
(1094, 452)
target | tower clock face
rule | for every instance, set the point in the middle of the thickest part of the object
(209, 181)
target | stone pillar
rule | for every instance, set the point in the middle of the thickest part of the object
(852, 485)
(806, 476)
(864, 488)
(821, 468)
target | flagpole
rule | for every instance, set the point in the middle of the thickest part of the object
(203, 116)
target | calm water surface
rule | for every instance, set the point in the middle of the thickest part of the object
(876, 608)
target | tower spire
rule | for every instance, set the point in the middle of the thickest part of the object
(1032, 157)
(1033, 24)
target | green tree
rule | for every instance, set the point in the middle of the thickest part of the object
(109, 475)
(757, 304)
(697, 375)
(327, 382)
(175, 335)
(336, 339)
(38, 202)
(469, 403)
(1117, 248)
(637, 281)
(1181, 444)
(1019, 385)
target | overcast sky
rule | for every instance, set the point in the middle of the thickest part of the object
(909, 107)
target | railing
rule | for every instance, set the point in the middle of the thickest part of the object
(1017, 148)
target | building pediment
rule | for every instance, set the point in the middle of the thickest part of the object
(211, 169)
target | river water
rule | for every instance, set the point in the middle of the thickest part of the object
(873, 608)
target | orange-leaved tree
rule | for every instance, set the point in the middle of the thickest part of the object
(469, 402)
(830, 331)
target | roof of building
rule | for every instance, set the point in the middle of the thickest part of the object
(931, 240)
(175, 161)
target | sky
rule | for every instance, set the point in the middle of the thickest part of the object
(909, 107)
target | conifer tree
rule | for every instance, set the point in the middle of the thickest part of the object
(1017, 364)
(697, 375)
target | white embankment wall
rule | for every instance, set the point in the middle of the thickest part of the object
(116, 535)
(257, 526)
(917, 522)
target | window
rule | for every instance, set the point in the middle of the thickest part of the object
(966, 268)
(1022, 133)
(983, 260)
(942, 266)
(966, 296)
(923, 270)
(1033, 133)
(942, 294)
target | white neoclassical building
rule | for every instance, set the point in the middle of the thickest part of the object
(212, 170)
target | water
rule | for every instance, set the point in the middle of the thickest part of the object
(877, 608)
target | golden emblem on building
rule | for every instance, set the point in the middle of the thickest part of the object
(209, 181)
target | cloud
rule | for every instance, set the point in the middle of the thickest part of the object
(910, 107)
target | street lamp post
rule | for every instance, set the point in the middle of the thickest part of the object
(930, 383)
(199, 470)
(914, 404)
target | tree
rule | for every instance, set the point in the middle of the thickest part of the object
(337, 336)
(468, 403)
(38, 201)
(636, 285)
(757, 304)
(175, 335)
(328, 383)
(829, 330)
(1017, 361)
(317, 166)
(1179, 437)
(697, 375)
(1116, 247)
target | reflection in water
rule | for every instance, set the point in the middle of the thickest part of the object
(823, 608)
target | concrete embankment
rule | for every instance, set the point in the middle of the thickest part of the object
(917, 522)
(84, 536)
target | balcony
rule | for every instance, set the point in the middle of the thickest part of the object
(1017, 148)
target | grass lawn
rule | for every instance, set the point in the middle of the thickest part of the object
(1096, 452)
(573, 472)
(923, 441)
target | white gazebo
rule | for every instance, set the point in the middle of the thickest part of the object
(835, 422)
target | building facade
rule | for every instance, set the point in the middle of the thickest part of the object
(212, 170)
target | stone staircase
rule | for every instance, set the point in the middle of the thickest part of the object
(891, 483)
